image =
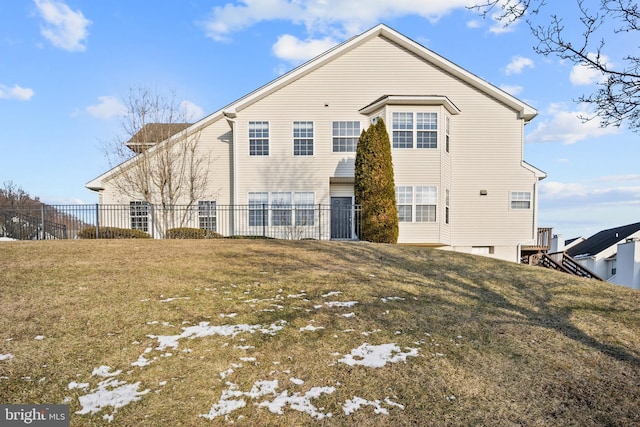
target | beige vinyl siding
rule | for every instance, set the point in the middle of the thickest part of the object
(486, 144)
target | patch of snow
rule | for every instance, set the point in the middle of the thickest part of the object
(299, 402)
(103, 371)
(331, 294)
(296, 381)
(377, 356)
(173, 299)
(311, 328)
(341, 303)
(7, 239)
(352, 314)
(7, 356)
(39, 337)
(204, 330)
(110, 392)
(74, 384)
(228, 315)
(229, 401)
(352, 405)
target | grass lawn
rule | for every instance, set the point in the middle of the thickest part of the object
(284, 333)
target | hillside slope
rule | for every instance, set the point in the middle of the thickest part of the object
(305, 333)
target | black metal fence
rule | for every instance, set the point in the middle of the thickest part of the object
(46, 222)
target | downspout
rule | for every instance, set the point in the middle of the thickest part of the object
(231, 115)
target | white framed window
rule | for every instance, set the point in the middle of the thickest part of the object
(258, 204)
(207, 216)
(139, 213)
(259, 138)
(421, 199)
(426, 203)
(520, 200)
(303, 138)
(345, 136)
(424, 130)
(304, 204)
(402, 126)
(446, 206)
(277, 208)
(447, 133)
(427, 130)
(404, 201)
(280, 208)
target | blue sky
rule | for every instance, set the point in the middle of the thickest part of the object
(66, 66)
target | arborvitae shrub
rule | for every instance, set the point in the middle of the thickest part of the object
(374, 185)
(112, 233)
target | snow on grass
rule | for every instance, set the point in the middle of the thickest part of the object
(7, 356)
(352, 405)
(105, 371)
(377, 356)
(110, 392)
(204, 330)
(341, 303)
(299, 402)
(311, 328)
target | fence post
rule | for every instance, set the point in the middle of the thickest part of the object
(42, 218)
(319, 221)
(153, 221)
(264, 222)
(97, 221)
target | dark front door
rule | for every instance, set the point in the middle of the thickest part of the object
(341, 217)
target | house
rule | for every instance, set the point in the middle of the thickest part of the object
(457, 146)
(612, 254)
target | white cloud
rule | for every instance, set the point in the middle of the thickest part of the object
(335, 18)
(512, 89)
(192, 112)
(106, 108)
(294, 50)
(565, 126)
(597, 192)
(583, 75)
(64, 28)
(16, 92)
(474, 24)
(517, 64)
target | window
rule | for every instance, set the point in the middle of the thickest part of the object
(520, 200)
(281, 208)
(402, 130)
(404, 200)
(139, 212)
(303, 138)
(482, 250)
(446, 133)
(207, 215)
(345, 136)
(257, 208)
(446, 206)
(305, 214)
(427, 128)
(258, 138)
(426, 201)
(420, 199)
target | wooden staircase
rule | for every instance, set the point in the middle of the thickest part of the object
(560, 261)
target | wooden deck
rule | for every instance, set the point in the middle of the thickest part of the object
(543, 242)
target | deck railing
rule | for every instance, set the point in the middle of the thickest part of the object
(293, 222)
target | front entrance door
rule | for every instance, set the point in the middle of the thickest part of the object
(341, 218)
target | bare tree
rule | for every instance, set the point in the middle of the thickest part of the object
(158, 159)
(617, 97)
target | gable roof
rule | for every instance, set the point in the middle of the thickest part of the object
(525, 111)
(603, 240)
(153, 133)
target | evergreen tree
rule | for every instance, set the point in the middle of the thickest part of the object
(374, 185)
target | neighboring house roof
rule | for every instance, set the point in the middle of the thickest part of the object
(153, 133)
(603, 240)
(525, 111)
